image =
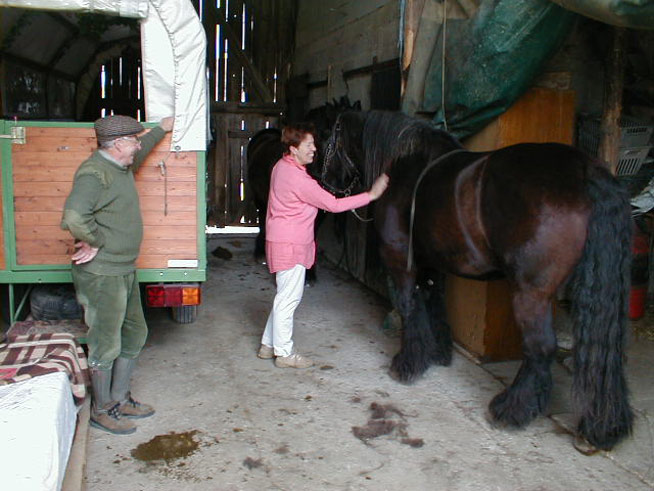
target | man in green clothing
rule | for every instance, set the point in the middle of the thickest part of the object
(103, 214)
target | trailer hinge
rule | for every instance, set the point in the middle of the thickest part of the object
(17, 135)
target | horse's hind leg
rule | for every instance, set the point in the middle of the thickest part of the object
(434, 294)
(529, 394)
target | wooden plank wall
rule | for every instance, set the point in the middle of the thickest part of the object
(231, 203)
(43, 171)
(264, 30)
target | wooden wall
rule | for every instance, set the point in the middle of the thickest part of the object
(230, 200)
(43, 171)
(336, 37)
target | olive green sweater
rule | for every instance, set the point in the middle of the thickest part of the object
(103, 210)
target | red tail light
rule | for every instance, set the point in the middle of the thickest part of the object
(173, 295)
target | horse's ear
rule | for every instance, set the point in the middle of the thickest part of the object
(357, 106)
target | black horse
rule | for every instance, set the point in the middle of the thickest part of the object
(539, 215)
(265, 149)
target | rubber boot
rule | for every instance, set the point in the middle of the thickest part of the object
(105, 413)
(123, 368)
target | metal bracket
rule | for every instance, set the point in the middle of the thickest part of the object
(17, 135)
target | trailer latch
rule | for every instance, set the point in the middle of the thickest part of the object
(17, 135)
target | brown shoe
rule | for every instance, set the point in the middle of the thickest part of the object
(109, 419)
(294, 360)
(266, 352)
(134, 409)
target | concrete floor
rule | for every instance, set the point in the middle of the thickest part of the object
(230, 421)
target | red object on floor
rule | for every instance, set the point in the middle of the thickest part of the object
(637, 300)
(639, 275)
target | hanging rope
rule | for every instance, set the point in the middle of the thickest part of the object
(443, 63)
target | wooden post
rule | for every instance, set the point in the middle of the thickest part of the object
(609, 147)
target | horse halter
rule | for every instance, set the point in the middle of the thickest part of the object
(330, 151)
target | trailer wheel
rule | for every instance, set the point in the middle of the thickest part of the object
(186, 314)
(54, 302)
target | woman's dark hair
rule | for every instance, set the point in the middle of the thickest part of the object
(293, 134)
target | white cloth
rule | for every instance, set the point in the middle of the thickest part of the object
(173, 43)
(279, 326)
(37, 426)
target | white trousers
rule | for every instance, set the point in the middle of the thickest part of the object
(279, 326)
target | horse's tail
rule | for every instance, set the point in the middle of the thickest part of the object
(600, 291)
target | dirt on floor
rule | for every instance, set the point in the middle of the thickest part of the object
(227, 420)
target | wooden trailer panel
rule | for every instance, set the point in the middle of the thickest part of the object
(3, 264)
(43, 171)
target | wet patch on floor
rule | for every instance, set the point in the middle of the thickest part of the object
(169, 455)
(167, 447)
(386, 420)
(251, 463)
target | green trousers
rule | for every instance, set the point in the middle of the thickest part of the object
(114, 315)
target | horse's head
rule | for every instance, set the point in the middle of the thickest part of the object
(342, 168)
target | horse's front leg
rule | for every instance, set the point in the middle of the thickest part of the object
(529, 394)
(417, 341)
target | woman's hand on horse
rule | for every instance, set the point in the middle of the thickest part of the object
(378, 187)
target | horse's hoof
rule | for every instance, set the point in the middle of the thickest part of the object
(584, 446)
(401, 378)
(442, 359)
(403, 372)
(504, 413)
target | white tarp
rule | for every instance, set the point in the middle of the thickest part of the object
(173, 49)
(122, 8)
(173, 46)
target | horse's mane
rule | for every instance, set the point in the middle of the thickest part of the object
(388, 136)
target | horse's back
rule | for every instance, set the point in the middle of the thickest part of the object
(490, 211)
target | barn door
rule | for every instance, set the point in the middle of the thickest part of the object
(230, 201)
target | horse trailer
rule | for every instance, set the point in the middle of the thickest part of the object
(39, 159)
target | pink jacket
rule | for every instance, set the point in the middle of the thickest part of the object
(293, 204)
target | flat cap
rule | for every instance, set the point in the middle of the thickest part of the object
(112, 127)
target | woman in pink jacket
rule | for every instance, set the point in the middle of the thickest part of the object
(293, 203)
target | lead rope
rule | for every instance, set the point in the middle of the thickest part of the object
(409, 258)
(361, 219)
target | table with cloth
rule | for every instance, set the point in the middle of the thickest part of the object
(43, 383)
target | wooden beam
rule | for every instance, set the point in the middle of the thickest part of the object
(64, 22)
(272, 109)
(364, 70)
(609, 146)
(19, 60)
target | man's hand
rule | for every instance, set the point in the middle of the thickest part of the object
(167, 124)
(84, 253)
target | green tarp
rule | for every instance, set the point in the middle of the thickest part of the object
(490, 61)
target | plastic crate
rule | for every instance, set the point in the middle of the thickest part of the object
(633, 133)
(630, 160)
